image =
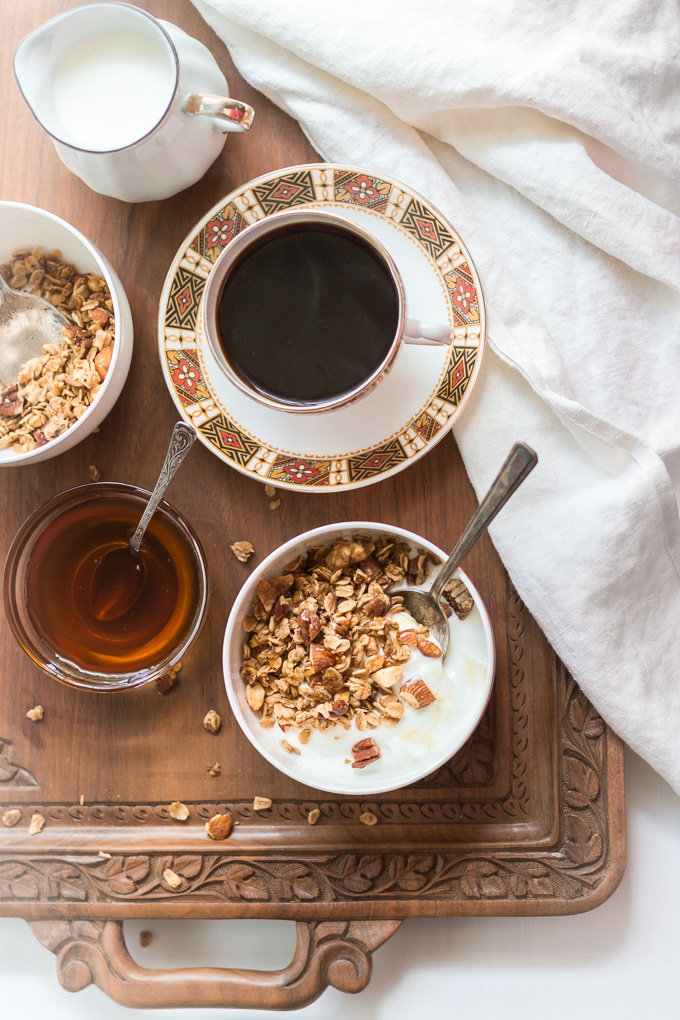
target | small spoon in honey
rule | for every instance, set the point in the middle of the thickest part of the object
(118, 579)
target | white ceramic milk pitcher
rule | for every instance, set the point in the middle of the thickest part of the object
(136, 107)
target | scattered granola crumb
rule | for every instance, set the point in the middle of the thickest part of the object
(275, 504)
(178, 811)
(95, 473)
(165, 683)
(35, 714)
(313, 816)
(103, 854)
(269, 491)
(215, 769)
(261, 803)
(82, 800)
(242, 550)
(219, 826)
(368, 818)
(172, 878)
(36, 824)
(178, 666)
(212, 721)
(11, 817)
(95, 431)
(286, 746)
(145, 938)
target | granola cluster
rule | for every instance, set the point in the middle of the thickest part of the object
(323, 646)
(54, 389)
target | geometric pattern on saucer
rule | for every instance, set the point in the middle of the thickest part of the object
(298, 186)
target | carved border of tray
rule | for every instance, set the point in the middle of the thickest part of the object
(577, 873)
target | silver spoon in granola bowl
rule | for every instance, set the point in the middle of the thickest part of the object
(26, 323)
(425, 606)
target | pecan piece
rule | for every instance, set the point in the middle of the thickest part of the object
(407, 637)
(364, 752)
(416, 693)
(10, 402)
(378, 605)
(370, 567)
(270, 589)
(337, 708)
(281, 608)
(459, 598)
(310, 625)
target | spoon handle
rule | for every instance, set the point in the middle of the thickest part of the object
(519, 462)
(182, 439)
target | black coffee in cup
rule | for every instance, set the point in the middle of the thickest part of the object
(307, 314)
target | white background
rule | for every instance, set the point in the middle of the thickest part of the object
(619, 959)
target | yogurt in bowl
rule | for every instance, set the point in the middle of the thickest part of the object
(412, 745)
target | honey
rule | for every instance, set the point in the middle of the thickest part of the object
(96, 607)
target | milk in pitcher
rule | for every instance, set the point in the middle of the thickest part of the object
(111, 89)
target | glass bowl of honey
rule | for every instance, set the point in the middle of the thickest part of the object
(94, 628)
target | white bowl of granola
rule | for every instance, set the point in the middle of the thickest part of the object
(332, 682)
(61, 395)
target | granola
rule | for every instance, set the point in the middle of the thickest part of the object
(54, 389)
(322, 645)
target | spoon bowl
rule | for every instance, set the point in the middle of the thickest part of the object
(117, 583)
(27, 322)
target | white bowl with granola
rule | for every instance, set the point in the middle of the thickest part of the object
(65, 392)
(332, 682)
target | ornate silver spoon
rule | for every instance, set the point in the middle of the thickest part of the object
(425, 606)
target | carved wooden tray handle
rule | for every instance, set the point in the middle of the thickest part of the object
(334, 953)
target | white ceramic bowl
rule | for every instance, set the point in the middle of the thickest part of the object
(471, 652)
(26, 226)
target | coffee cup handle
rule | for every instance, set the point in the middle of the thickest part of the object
(426, 334)
(230, 114)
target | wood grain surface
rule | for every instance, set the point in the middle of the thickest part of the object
(528, 818)
(432, 498)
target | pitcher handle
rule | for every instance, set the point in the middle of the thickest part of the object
(230, 113)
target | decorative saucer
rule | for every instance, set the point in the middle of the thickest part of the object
(406, 414)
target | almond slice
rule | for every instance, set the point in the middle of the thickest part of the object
(261, 803)
(429, 648)
(219, 826)
(178, 811)
(416, 693)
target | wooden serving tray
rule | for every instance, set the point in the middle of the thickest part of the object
(527, 819)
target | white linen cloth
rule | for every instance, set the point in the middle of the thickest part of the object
(549, 135)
